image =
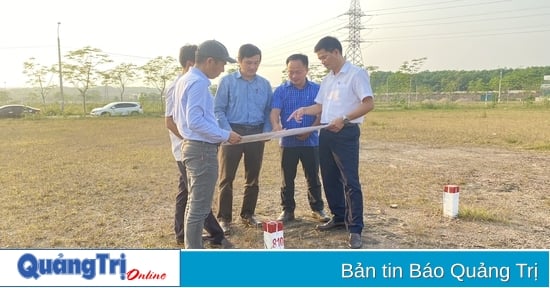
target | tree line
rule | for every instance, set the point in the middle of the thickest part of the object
(410, 80)
(89, 67)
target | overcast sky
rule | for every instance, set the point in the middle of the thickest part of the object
(453, 35)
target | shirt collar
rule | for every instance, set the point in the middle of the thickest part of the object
(345, 68)
(199, 73)
(239, 75)
(289, 84)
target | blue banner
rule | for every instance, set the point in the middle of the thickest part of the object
(365, 268)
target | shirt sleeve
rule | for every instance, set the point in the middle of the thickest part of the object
(197, 118)
(267, 112)
(276, 100)
(361, 85)
(169, 111)
(221, 103)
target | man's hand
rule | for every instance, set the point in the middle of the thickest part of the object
(336, 125)
(276, 127)
(297, 115)
(234, 137)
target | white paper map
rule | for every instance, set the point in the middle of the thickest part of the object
(277, 134)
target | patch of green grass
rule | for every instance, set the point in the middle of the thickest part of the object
(482, 214)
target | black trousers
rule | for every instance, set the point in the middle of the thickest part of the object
(309, 157)
(229, 157)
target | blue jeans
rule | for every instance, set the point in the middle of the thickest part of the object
(339, 159)
(200, 159)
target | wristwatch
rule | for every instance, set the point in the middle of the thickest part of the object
(345, 119)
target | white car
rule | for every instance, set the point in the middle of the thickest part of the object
(118, 109)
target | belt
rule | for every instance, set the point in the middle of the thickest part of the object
(351, 124)
(347, 125)
(201, 142)
(247, 127)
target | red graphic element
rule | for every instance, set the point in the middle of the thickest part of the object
(135, 274)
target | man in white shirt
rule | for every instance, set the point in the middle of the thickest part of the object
(343, 100)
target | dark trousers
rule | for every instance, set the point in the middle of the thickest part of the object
(309, 157)
(229, 158)
(211, 225)
(339, 158)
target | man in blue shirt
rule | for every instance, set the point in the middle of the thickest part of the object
(194, 117)
(243, 105)
(291, 95)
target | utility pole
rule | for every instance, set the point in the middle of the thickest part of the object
(353, 52)
(60, 71)
(499, 85)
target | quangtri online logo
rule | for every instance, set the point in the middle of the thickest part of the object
(30, 266)
(91, 267)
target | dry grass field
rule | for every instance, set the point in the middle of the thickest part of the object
(111, 183)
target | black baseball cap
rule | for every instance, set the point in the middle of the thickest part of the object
(215, 49)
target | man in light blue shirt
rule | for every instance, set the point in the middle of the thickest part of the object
(194, 117)
(243, 105)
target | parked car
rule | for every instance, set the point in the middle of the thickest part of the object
(17, 111)
(118, 109)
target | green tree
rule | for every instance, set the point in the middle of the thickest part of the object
(317, 72)
(158, 72)
(477, 86)
(120, 76)
(411, 69)
(39, 76)
(81, 69)
(450, 86)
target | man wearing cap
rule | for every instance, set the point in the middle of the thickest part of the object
(194, 116)
(215, 237)
(242, 104)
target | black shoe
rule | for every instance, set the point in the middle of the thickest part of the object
(321, 215)
(330, 225)
(226, 227)
(225, 244)
(286, 216)
(251, 221)
(180, 242)
(355, 241)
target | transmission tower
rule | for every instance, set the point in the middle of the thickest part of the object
(353, 52)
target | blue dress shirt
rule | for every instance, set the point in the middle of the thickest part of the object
(288, 98)
(194, 109)
(239, 101)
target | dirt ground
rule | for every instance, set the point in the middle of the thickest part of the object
(130, 178)
(504, 200)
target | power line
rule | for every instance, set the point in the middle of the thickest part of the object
(408, 23)
(471, 34)
(418, 5)
(439, 8)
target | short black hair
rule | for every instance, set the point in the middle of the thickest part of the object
(187, 53)
(249, 50)
(300, 57)
(328, 43)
